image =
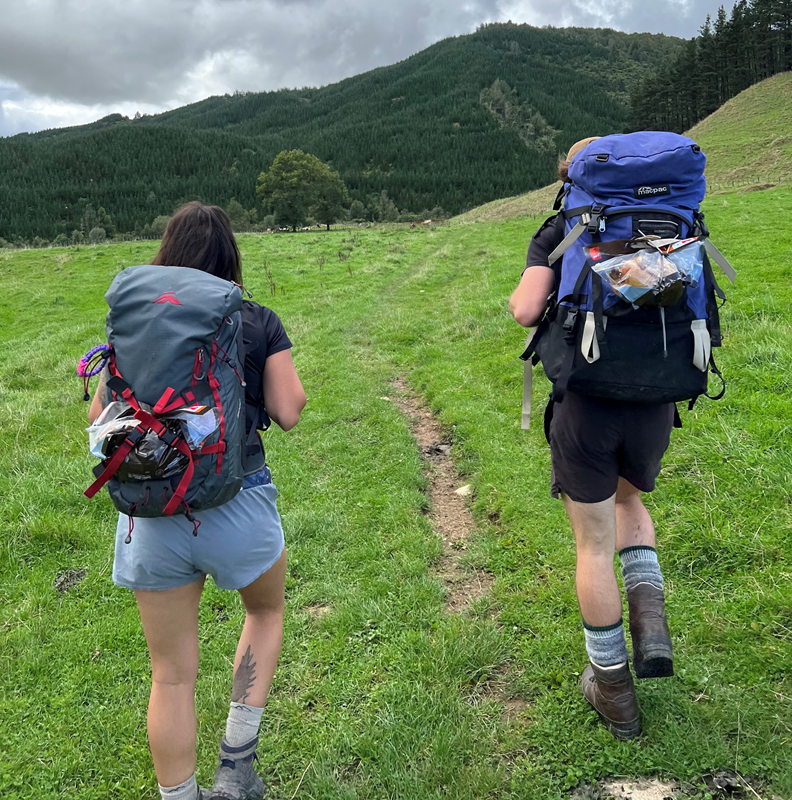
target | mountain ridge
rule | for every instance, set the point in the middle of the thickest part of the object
(415, 129)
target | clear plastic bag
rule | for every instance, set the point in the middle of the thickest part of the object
(151, 458)
(197, 423)
(115, 420)
(688, 258)
(638, 276)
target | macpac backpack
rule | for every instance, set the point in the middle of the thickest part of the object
(593, 342)
(176, 356)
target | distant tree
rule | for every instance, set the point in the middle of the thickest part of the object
(298, 185)
(60, 240)
(385, 209)
(97, 235)
(238, 215)
(89, 218)
(104, 220)
(357, 211)
(333, 198)
(159, 224)
(77, 237)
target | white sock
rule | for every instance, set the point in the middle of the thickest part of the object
(243, 724)
(184, 791)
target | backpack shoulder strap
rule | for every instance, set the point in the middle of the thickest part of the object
(570, 238)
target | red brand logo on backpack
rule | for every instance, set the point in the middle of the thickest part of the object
(167, 297)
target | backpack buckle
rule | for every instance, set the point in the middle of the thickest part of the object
(597, 221)
(134, 436)
(168, 437)
(569, 326)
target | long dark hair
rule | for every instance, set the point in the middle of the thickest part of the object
(200, 237)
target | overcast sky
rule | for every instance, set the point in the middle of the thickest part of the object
(66, 62)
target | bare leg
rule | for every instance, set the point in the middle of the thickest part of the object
(262, 635)
(594, 525)
(254, 666)
(170, 623)
(633, 524)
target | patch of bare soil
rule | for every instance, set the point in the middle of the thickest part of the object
(449, 515)
(318, 611)
(67, 580)
(723, 784)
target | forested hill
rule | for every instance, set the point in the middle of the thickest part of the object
(467, 120)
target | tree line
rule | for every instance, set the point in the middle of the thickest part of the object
(730, 54)
(436, 130)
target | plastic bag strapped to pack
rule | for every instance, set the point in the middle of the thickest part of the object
(151, 458)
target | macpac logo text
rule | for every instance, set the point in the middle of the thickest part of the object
(167, 297)
(653, 191)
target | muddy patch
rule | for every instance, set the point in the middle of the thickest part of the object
(449, 513)
(67, 580)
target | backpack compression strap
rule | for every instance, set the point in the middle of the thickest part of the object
(148, 422)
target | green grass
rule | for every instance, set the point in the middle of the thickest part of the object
(749, 138)
(387, 695)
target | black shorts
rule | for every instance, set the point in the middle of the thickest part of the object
(594, 442)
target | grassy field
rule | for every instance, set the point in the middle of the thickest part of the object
(381, 692)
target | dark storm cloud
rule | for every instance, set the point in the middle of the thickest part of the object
(153, 51)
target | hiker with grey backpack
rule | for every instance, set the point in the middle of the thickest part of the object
(621, 290)
(190, 374)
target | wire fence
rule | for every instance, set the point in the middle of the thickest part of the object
(763, 181)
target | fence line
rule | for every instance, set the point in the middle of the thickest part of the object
(712, 186)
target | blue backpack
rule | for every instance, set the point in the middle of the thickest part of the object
(592, 341)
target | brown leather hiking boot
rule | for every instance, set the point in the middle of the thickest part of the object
(611, 692)
(653, 654)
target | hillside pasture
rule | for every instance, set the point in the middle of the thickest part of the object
(383, 690)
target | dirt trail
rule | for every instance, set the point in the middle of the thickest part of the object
(450, 515)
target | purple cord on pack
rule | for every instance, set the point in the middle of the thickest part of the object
(91, 364)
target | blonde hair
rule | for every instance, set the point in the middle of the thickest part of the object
(563, 164)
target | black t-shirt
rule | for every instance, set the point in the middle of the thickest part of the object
(264, 335)
(544, 241)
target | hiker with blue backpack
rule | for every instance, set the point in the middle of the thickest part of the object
(620, 288)
(192, 371)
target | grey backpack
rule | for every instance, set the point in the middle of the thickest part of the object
(172, 434)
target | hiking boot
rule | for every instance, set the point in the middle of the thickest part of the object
(653, 655)
(611, 692)
(235, 777)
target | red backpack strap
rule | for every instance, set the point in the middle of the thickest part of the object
(111, 467)
(214, 384)
(184, 483)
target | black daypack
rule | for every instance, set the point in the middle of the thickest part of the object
(172, 434)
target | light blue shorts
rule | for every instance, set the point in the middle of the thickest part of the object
(236, 543)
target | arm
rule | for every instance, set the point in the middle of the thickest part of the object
(284, 397)
(98, 402)
(529, 301)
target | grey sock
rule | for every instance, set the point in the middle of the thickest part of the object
(184, 791)
(243, 724)
(606, 647)
(640, 565)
